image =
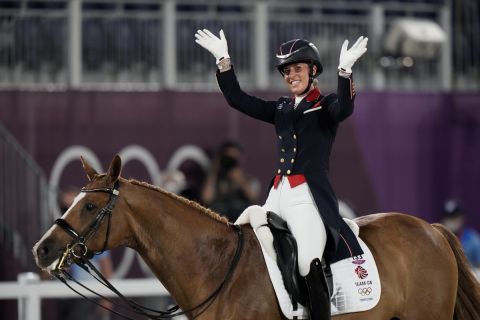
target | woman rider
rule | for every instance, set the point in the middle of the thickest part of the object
(306, 126)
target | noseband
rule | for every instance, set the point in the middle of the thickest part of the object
(78, 247)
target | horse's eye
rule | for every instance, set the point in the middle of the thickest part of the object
(90, 206)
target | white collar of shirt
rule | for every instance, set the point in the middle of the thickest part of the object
(299, 99)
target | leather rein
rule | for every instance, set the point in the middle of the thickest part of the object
(77, 252)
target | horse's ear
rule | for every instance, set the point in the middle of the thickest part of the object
(91, 173)
(114, 170)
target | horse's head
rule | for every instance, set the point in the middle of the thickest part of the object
(87, 226)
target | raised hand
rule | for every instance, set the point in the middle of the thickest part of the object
(217, 46)
(349, 56)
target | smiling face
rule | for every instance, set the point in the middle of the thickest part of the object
(296, 76)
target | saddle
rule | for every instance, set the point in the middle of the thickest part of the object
(286, 249)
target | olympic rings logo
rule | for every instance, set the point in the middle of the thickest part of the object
(131, 152)
(365, 291)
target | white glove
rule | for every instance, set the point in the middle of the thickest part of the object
(217, 47)
(349, 56)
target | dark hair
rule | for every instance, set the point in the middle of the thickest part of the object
(229, 144)
(452, 208)
(225, 161)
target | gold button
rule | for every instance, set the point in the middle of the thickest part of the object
(279, 171)
(292, 161)
(280, 137)
(283, 150)
(294, 149)
(288, 171)
(282, 160)
(294, 136)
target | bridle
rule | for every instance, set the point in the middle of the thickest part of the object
(78, 247)
(77, 251)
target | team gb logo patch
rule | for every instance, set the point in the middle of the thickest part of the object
(361, 272)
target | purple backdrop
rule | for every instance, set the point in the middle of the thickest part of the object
(398, 152)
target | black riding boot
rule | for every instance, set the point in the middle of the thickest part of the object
(317, 289)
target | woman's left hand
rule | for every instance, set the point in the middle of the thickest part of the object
(349, 56)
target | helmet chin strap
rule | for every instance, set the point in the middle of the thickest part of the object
(310, 79)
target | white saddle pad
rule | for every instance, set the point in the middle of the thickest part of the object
(356, 284)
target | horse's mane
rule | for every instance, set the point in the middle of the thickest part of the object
(186, 201)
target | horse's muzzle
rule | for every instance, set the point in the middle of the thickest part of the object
(46, 252)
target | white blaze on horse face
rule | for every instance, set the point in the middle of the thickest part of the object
(79, 197)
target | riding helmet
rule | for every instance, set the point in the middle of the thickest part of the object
(299, 50)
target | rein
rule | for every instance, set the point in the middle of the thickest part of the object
(78, 249)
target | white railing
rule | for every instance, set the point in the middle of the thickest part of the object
(29, 290)
(127, 45)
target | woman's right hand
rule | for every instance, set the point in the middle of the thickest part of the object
(217, 46)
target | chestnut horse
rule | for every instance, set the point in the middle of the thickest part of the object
(423, 270)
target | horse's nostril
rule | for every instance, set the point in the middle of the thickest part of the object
(42, 251)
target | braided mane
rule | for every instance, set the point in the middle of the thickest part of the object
(189, 203)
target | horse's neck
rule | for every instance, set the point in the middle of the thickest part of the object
(187, 250)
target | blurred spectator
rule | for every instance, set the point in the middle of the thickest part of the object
(228, 190)
(80, 309)
(195, 176)
(174, 181)
(454, 220)
(67, 196)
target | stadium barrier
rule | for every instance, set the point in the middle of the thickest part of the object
(29, 290)
(125, 45)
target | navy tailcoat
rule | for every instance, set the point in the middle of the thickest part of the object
(305, 137)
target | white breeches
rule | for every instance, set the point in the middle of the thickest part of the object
(297, 207)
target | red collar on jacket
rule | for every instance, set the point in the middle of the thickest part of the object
(312, 96)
